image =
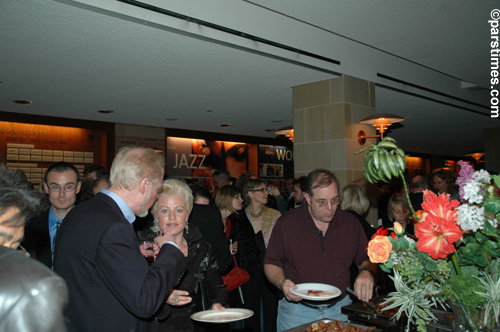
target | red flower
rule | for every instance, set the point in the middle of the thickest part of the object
(382, 231)
(440, 206)
(436, 236)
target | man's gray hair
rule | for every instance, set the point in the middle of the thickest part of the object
(132, 164)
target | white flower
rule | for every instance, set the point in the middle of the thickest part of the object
(470, 217)
(472, 192)
(481, 176)
(493, 222)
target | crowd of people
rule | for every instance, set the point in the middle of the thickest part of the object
(88, 238)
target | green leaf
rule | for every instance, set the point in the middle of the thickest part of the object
(384, 268)
(496, 179)
(470, 270)
(480, 237)
(404, 244)
(489, 230)
(491, 206)
(481, 259)
(389, 263)
(360, 151)
(467, 239)
(491, 248)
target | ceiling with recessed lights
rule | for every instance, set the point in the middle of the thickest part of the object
(74, 58)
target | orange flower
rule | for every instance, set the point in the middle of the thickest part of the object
(398, 228)
(440, 206)
(418, 216)
(379, 249)
(436, 236)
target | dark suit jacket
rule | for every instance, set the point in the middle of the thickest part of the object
(37, 238)
(111, 287)
(209, 221)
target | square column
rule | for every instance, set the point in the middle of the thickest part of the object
(326, 118)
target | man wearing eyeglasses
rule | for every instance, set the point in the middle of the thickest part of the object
(61, 183)
(317, 243)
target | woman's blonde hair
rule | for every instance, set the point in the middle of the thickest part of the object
(225, 196)
(354, 198)
(175, 187)
(396, 199)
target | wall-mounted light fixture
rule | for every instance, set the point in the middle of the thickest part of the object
(476, 155)
(287, 131)
(380, 121)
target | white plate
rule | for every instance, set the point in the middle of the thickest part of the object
(218, 316)
(302, 290)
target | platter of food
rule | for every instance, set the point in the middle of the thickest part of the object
(326, 325)
(218, 316)
(316, 291)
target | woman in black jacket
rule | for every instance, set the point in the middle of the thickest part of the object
(171, 212)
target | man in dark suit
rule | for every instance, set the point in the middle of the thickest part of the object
(417, 186)
(62, 184)
(111, 287)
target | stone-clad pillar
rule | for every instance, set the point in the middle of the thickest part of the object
(326, 119)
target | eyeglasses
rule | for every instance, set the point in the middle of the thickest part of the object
(324, 202)
(57, 188)
(261, 190)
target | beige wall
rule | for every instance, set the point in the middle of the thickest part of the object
(326, 118)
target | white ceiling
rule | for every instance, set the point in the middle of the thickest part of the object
(72, 59)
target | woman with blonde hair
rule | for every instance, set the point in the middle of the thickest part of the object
(171, 212)
(399, 210)
(356, 202)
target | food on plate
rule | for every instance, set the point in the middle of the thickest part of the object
(336, 326)
(311, 292)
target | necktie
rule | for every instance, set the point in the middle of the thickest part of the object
(58, 225)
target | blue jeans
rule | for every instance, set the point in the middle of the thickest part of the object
(293, 314)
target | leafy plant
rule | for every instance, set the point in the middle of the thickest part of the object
(456, 254)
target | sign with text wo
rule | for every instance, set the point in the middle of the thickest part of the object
(275, 162)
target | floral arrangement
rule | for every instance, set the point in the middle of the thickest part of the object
(454, 258)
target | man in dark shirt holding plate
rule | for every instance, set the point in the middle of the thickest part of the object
(317, 243)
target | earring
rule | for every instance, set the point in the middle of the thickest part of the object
(186, 228)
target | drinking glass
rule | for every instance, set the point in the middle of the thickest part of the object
(147, 251)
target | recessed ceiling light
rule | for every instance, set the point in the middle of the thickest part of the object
(225, 125)
(209, 111)
(172, 119)
(277, 120)
(271, 130)
(22, 102)
(105, 111)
